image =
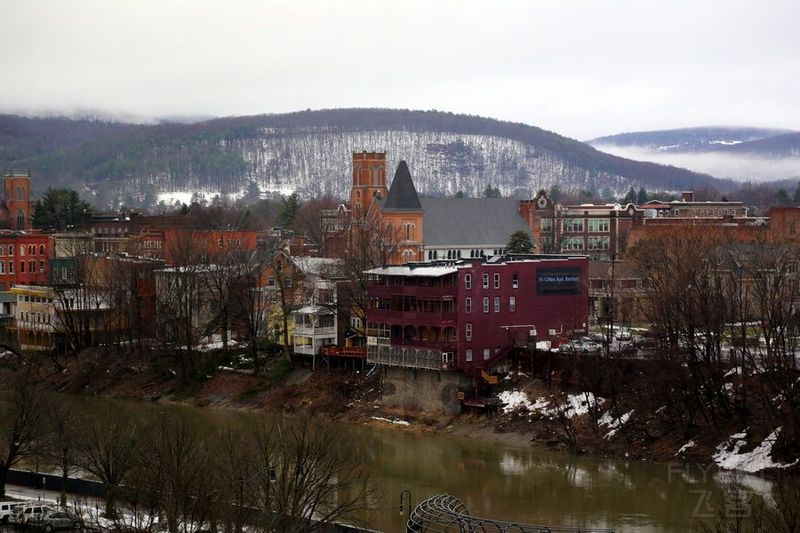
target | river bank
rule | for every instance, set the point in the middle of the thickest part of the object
(630, 425)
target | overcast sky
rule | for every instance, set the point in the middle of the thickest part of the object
(582, 69)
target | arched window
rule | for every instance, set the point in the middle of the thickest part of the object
(31, 249)
(10, 249)
(20, 219)
(22, 250)
(32, 266)
(41, 249)
(20, 194)
(2, 249)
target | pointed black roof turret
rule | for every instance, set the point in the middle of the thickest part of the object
(402, 195)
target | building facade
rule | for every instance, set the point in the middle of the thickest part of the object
(467, 315)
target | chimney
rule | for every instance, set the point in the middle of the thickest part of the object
(687, 196)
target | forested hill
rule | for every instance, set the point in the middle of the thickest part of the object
(309, 152)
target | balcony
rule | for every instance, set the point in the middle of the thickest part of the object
(312, 331)
(385, 291)
(415, 318)
(407, 357)
(306, 349)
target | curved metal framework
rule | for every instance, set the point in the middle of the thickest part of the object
(445, 513)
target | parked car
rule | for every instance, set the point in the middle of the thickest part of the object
(580, 346)
(30, 514)
(7, 511)
(54, 520)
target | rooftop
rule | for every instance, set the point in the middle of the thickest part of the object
(479, 222)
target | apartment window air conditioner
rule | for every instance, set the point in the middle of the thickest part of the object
(552, 332)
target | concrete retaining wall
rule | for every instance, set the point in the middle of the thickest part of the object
(428, 390)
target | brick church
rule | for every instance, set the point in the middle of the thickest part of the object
(422, 228)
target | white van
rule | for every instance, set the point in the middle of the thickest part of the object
(6, 510)
(30, 514)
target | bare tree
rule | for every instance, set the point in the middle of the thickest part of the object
(22, 420)
(251, 303)
(108, 450)
(307, 477)
(61, 443)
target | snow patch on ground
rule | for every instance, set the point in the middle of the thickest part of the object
(685, 447)
(389, 420)
(513, 399)
(729, 457)
(613, 423)
(735, 371)
(573, 405)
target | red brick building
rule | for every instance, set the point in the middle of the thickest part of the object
(17, 207)
(24, 258)
(205, 244)
(467, 315)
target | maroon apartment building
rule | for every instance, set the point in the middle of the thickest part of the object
(466, 315)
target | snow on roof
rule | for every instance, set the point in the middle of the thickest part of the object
(414, 272)
(314, 310)
(317, 265)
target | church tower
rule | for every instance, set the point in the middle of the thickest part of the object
(17, 198)
(369, 180)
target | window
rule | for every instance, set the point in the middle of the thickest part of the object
(2, 267)
(515, 281)
(497, 280)
(2, 249)
(10, 249)
(41, 266)
(512, 304)
(11, 267)
(572, 243)
(468, 281)
(468, 331)
(31, 249)
(485, 304)
(485, 281)
(496, 304)
(573, 225)
(546, 224)
(597, 225)
(20, 219)
(486, 353)
(271, 281)
(469, 354)
(598, 243)
(467, 304)
(22, 251)
(22, 267)
(32, 266)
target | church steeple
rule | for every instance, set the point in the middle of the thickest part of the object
(403, 194)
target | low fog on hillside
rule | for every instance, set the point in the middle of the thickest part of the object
(740, 167)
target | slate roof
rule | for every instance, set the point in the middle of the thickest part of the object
(402, 194)
(471, 221)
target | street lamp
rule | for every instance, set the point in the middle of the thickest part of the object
(405, 494)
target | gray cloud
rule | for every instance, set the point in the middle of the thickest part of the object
(580, 68)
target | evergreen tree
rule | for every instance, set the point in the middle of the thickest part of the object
(630, 198)
(290, 206)
(641, 196)
(782, 196)
(796, 196)
(491, 192)
(59, 209)
(555, 193)
(519, 243)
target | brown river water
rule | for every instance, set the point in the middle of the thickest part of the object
(504, 481)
